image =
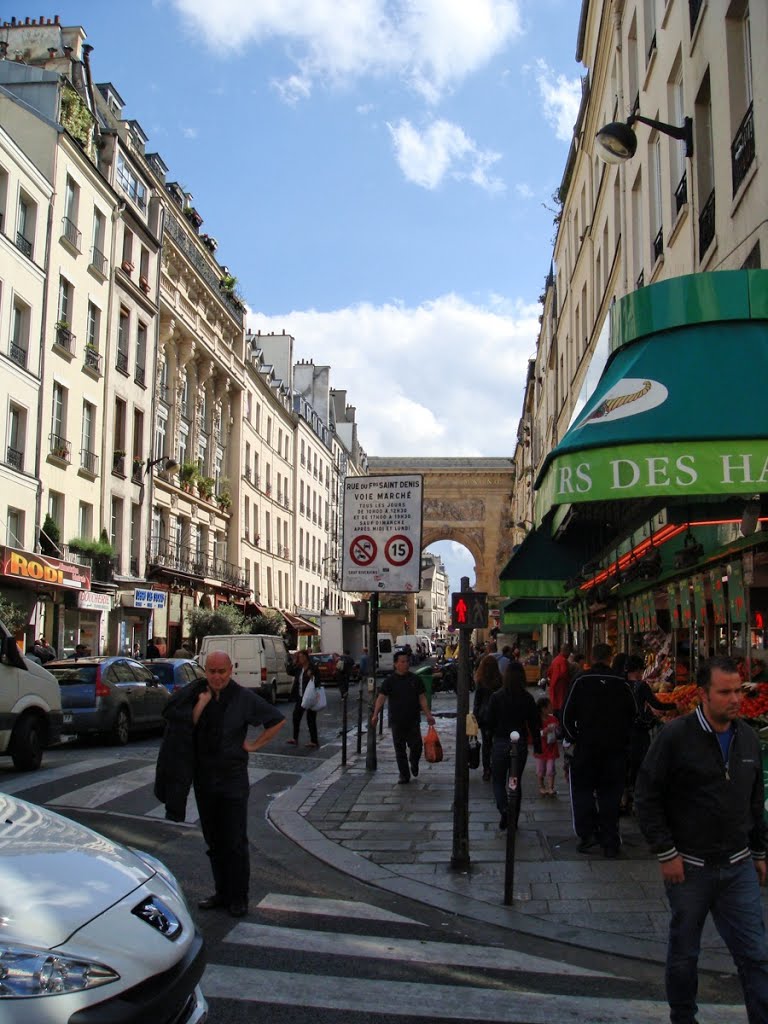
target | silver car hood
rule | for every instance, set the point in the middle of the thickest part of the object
(56, 875)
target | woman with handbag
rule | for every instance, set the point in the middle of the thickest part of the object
(303, 677)
(511, 709)
(487, 682)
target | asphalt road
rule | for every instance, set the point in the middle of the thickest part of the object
(318, 946)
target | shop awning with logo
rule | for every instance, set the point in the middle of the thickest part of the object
(540, 566)
(528, 614)
(680, 407)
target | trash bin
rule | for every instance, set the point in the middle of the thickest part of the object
(424, 672)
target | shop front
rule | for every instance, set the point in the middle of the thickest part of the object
(663, 478)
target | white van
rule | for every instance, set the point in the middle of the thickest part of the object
(30, 707)
(414, 641)
(386, 653)
(260, 662)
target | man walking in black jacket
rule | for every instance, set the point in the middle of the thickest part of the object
(597, 718)
(407, 699)
(207, 726)
(699, 801)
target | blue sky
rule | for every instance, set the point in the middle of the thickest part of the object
(377, 174)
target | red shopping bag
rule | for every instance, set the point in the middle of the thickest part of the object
(433, 748)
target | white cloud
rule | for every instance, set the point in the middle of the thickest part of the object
(444, 378)
(443, 148)
(189, 133)
(432, 44)
(292, 89)
(524, 191)
(561, 97)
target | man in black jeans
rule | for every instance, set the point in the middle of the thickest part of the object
(221, 714)
(407, 699)
(598, 717)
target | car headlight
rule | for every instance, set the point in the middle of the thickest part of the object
(28, 972)
(159, 868)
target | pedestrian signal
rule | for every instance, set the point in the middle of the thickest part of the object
(469, 610)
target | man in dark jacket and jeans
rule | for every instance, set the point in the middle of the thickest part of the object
(598, 717)
(407, 699)
(699, 801)
(207, 725)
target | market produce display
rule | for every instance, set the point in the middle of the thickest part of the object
(754, 705)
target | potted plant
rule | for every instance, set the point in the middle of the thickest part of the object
(193, 217)
(227, 283)
(187, 475)
(144, 284)
(224, 500)
(49, 537)
(127, 266)
(205, 485)
(63, 325)
(118, 465)
(209, 242)
(138, 465)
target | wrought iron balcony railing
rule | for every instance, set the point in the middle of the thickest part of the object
(743, 149)
(70, 233)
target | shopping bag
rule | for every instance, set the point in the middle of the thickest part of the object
(473, 753)
(433, 748)
(471, 727)
(309, 695)
(320, 699)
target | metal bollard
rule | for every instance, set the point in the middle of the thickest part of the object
(344, 727)
(513, 803)
(360, 716)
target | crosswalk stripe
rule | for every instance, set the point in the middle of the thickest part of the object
(107, 789)
(413, 951)
(45, 776)
(455, 1002)
(332, 908)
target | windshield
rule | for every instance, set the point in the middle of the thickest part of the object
(76, 674)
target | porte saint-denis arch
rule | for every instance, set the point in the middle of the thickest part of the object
(465, 500)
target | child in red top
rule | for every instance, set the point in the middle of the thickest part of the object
(545, 761)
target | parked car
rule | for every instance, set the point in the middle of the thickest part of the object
(91, 929)
(326, 666)
(30, 707)
(174, 672)
(109, 696)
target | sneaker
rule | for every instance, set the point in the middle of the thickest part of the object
(414, 770)
(611, 852)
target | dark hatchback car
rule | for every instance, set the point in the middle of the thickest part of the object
(109, 696)
(174, 673)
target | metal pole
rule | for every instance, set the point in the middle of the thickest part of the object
(460, 855)
(513, 802)
(360, 713)
(370, 752)
(344, 726)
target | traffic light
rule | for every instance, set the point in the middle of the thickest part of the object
(469, 610)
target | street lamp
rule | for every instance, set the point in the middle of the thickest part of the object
(169, 464)
(617, 141)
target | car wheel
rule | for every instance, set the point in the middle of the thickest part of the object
(273, 695)
(27, 744)
(119, 733)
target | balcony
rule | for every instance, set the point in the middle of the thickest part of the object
(64, 339)
(92, 360)
(177, 558)
(98, 261)
(694, 6)
(707, 225)
(247, 473)
(640, 282)
(286, 501)
(14, 458)
(121, 362)
(139, 375)
(658, 245)
(23, 245)
(137, 470)
(59, 448)
(118, 463)
(70, 234)
(681, 193)
(743, 149)
(18, 354)
(89, 462)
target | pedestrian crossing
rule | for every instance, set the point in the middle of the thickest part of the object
(490, 983)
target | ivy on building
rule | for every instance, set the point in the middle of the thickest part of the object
(78, 120)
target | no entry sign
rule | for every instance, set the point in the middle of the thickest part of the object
(382, 533)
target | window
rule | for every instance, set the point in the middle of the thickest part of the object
(98, 259)
(123, 335)
(20, 316)
(130, 183)
(657, 236)
(127, 256)
(56, 508)
(141, 354)
(183, 443)
(247, 516)
(59, 412)
(650, 29)
(84, 519)
(120, 425)
(161, 430)
(144, 269)
(258, 418)
(135, 538)
(65, 303)
(69, 230)
(116, 529)
(138, 436)
(638, 231)
(87, 436)
(247, 461)
(17, 436)
(185, 397)
(269, 430)
(676, 149)
(14, 527)
(92, 326)
(25, 225)
(248, 405)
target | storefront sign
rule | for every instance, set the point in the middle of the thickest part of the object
(149, 598)
(28, 567)
(642, 471)
(90, 599)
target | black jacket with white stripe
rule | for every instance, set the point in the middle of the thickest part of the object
(690, 802)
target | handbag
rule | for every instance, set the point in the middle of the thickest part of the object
(433, 748)
(473, 752)
(309, 696)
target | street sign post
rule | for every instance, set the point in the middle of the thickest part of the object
(382, 534)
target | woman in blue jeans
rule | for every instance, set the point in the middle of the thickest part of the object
(511, 709)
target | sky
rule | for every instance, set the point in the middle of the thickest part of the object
(378, 175)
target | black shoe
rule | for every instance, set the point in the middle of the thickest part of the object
(238, 908)
(414, 770)
(212, 902)
(403, 780)
(503, 822)
(611, 852)
(586, 843)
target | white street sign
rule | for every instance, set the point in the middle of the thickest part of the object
(382, 533)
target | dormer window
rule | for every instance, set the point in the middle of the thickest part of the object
(130, 184)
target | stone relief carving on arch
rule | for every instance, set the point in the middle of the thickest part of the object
(467, 510)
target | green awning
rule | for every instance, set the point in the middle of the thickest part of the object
(521, 614)
(540, 566)
(680, 407)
